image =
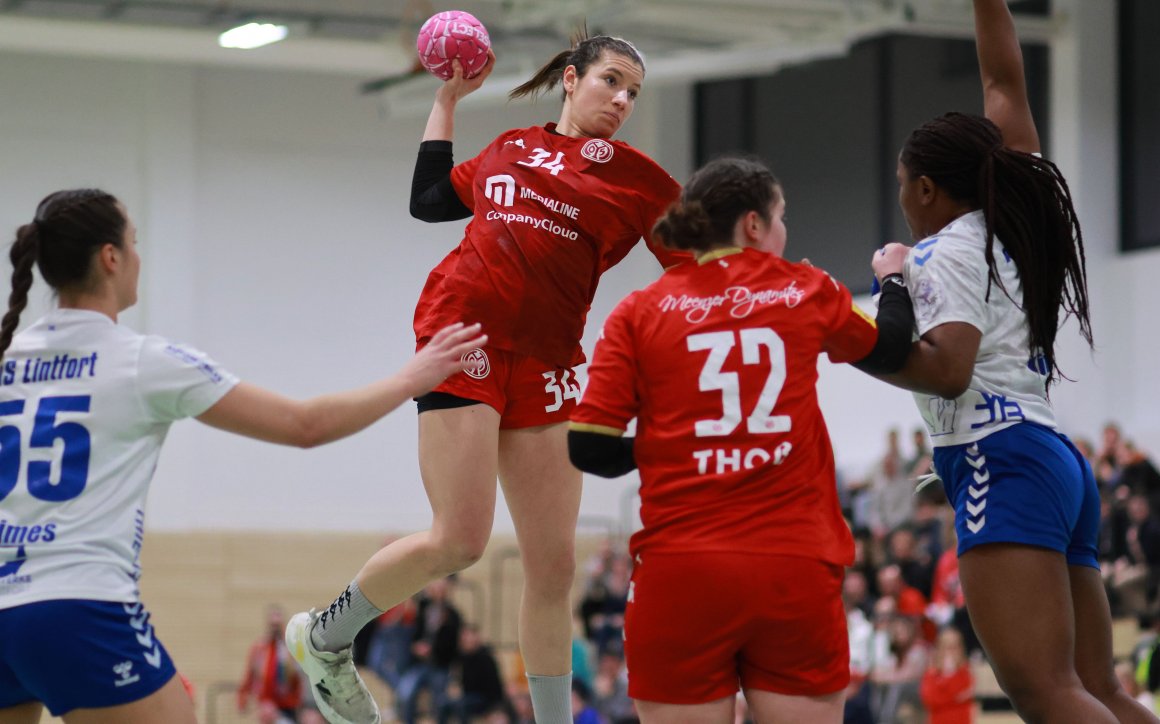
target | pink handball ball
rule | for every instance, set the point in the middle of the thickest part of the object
(453, 34)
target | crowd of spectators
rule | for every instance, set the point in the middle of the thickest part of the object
(912, 649)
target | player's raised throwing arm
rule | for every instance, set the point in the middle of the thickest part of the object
(433, 197)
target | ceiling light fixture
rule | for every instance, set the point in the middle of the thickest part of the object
(252, 35)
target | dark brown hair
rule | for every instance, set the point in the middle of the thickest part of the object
(584, 52)
(70, 226)
(1027, 204)
(717, 195)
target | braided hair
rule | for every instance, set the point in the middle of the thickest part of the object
(584, 52)
(1027, 204)
(717, 195)
(70, 226)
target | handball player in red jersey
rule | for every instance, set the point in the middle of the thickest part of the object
(552, 207)
(738, 569)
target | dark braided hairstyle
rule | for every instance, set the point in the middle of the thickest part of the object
(584, 52)
(717, 195)
(1027, 204)
(70, 226)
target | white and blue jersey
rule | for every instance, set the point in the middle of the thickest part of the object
(1011, 477)
(947, 278)
(85, 405)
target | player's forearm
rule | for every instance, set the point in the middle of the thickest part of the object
(1000, 58)
(441, 121)
(337, 415)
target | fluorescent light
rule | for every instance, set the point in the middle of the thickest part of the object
(252, 35)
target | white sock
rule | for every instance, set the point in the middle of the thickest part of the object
(336, 628)
(551, 698)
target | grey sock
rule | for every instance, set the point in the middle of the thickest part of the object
(336, 628)
(551, 698)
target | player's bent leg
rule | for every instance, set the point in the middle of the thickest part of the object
(769, 707)
(1093, 647)
(29, 713)
(457, 459)
(458, 462)
(168, 705)
(714, 712)
(1019, 599)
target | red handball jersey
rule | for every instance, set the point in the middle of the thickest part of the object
(552, 213)
(718, 362)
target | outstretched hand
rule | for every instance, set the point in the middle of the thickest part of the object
(456, 87)
(441, 357)
(890, 259)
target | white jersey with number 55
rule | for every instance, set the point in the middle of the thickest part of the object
(85, 405)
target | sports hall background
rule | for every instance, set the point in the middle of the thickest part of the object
(271, 195)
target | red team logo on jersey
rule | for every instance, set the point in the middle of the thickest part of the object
(597, 150)
(478, 365)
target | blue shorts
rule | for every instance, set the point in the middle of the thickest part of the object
(72, 654)
(1023, 484)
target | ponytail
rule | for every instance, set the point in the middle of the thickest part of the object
(1026, 203)
(23, 255)
(69, 228)
(584, 52)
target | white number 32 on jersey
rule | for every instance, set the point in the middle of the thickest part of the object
(720, 345)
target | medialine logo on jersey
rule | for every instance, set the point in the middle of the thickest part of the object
(741, 301)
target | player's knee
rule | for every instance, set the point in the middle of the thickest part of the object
(1034, 694)
(460, 548)
(1103, 686)
(549, 572)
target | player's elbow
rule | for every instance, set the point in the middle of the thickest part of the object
(952, 384)
(604, 455)
(306, 430)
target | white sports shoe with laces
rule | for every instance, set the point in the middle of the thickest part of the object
(339, 691)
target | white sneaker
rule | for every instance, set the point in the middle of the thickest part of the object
(339, 691)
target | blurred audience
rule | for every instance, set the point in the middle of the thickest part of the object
(272, 679)
(948, 687)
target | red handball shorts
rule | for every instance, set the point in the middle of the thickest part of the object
(699, 626)
(525, 391)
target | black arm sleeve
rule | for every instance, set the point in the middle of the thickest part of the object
(433, 198)
(895, 328)
(599, 454)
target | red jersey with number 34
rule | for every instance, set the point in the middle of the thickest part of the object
(718, 361)
(551, 214)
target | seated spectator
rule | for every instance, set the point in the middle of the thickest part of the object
(948, 607)
(1107, 465)
(521, 706)
(583, 712)
(948, 687)
(1133, 576)
(896, 677)
(604, 603)
(434, 648)
(272, 678)
(476, 681)
(892, 493)
(916, 566)
(610, 688)
(389, 648)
